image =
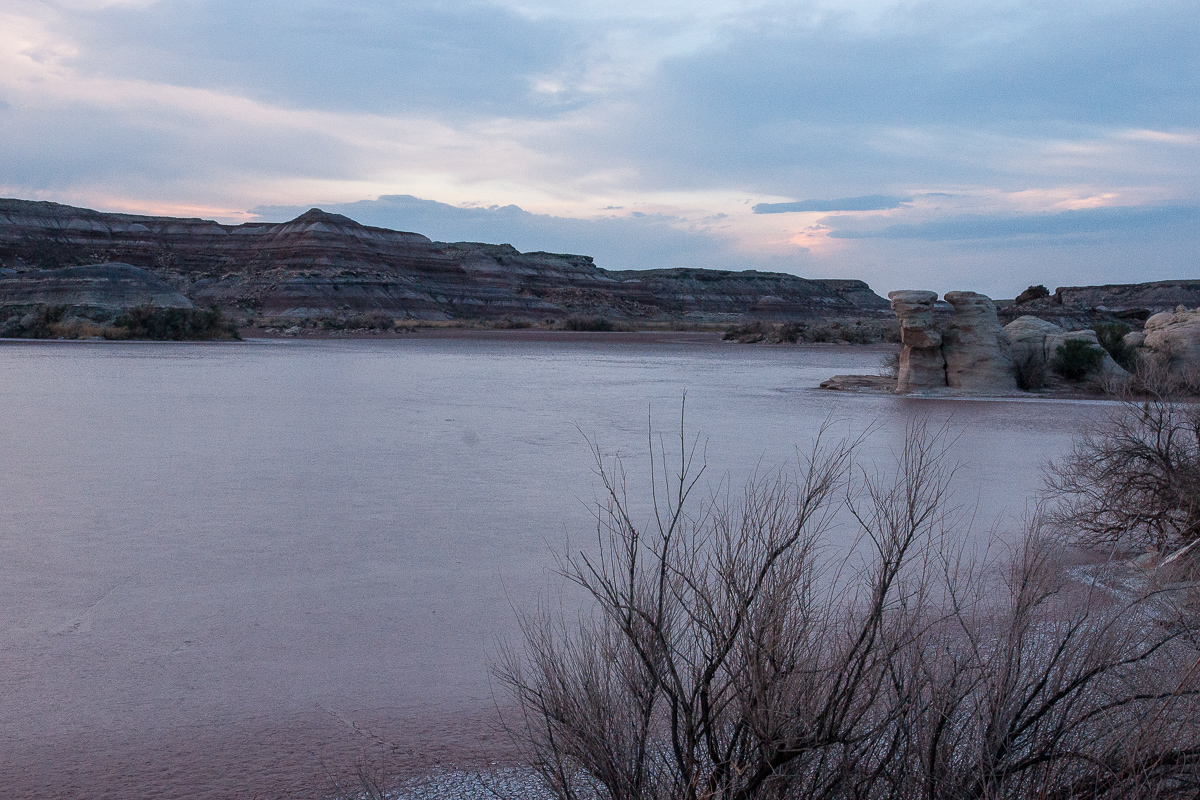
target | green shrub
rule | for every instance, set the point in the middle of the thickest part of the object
(1076, 358)
(797, 331)
(174, 324)
(579, 323)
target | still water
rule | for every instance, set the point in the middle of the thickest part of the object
(207, 536)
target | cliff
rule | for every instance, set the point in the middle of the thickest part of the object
(320, 264)
(1075, 307)
(1153, 297)
(103, 287)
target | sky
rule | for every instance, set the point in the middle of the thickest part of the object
(985, 145)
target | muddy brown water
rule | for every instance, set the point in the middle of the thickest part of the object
(246, 570)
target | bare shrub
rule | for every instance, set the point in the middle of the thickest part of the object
(859, 333)
(822, 334)
(889, 365)
(1163, 374)
(730, 652)
(1134, 479)
(1045, 694)
(1030, 371)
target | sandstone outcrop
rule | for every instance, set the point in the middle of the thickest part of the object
(977, 352)
(968, 351)
(1033, 338)
(1174, 336)
(325, 264)
(1028, 336)
(922, 365)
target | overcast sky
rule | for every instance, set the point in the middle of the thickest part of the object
(981, 145)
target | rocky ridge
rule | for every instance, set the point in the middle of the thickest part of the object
(1076, 307)
(327, 264)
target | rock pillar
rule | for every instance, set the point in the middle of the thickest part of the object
(921, 362)
(976, 349)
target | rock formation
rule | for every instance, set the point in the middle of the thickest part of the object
(1079, 307)
(326, 264)
(103, 287)
(1028, 336)
(1037, 339)
(977, 353)
(1037, 292)
(1155, 296)
(1174, 336)
(969, 352)
(922, 365)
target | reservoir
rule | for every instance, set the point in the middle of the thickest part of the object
(236, 570)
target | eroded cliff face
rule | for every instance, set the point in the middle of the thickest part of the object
(1154, 297)
(109, 287)
(322, 263)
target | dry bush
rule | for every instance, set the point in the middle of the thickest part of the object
(1133, 479)
(1030, 370)
(731, 652)
(1164, 375)
(889, 365)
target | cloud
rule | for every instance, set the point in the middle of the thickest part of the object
(375, 56)
(870, 202)
(926, 95)
(1119, 219)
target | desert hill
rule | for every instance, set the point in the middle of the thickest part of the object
(322, 264)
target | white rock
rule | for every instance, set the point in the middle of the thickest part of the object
(921, 363)
(977, 352)
(1175, 335)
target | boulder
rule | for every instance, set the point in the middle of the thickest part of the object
(1175, 336)
(1134, 339)
(1032, 293)
(921, 363)
(859, 383)
(1027, 336)
(975, 347)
